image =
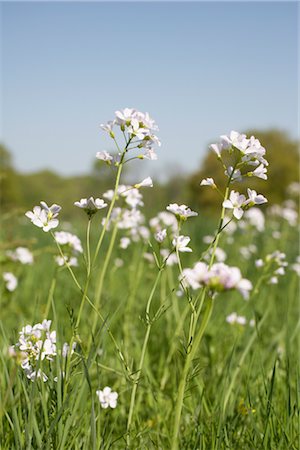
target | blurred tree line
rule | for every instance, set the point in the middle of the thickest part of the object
(23, 191)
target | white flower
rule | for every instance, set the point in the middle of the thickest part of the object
(236, 140)
(125, 116)
(66, 349)
(256, 218)
(234, 318)
(11, 281)
(21, 254)
(107, 398)
(66, 238)
(108, 127)
(71, 261)
(217, 148)
(236, 202)
(273, 280)
(147, 182)
(104, 156)
(91, 206)
(181, 242)
(208, 182)
(259, 172)
(182, 211)
(124, 242)
(149, 154)
(235, 175)
(160, 235)
(44, 217)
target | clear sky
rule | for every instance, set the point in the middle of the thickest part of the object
(200, 69)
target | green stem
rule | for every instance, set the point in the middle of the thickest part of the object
(195, 340)
(103, 273)
(142, 358)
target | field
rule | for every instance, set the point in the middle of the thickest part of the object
(197, 362)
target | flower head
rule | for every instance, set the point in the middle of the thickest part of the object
(236, 202)
(147, 182)
(45, 216)
(107, 398)
(182, 212)
(181, 243)
(11, 281)
(91, 206)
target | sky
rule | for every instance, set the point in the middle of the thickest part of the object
(200, 69)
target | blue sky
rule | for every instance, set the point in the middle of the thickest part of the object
(200, 69)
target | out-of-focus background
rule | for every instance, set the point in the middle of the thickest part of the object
(200, 69)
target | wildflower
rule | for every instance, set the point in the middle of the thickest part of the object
(108, 127)
(255, 217)
(236, 140)
(66, 238)
(21, 254)
(296, 266)
(91, 206)
(181, 242)
(236, 202)
(182, 212)
(259, 172)
(234, 318)
(259, 263)
(124, 242)
(273, 280)
(149, 154)
(104, 156)
(218, 278)
(147, 182)
(208, 182)
(235, 175)
(44, 217)
(107, 398)
(11, 281)
(66, 349)
(71, 261)
(160, 236)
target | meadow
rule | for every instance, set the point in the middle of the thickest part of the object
(174, 331)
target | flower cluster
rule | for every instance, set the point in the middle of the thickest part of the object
(234, 318)
(218, 278)
(36, 344)
(71, 246)
(274, 264)
(241, 156)
(138, 129)
(20, 254)
(10, 280)
(44, 216)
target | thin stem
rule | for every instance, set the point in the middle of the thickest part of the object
(103, 273)
(195, 340)
(88, 252)
(142, 358)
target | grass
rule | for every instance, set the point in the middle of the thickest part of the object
(243, 387)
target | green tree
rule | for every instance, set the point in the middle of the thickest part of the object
(10, 191)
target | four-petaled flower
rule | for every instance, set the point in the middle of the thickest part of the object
(181, 243)
(182, 212)
(236, 202)
(91, 206)
(45, 216)
(107, 398)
